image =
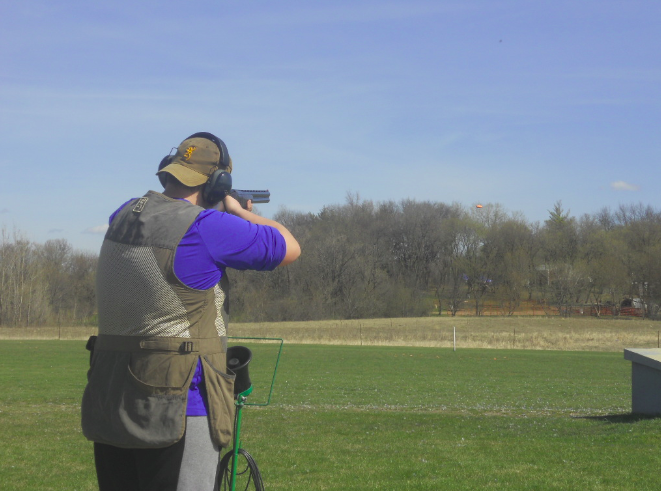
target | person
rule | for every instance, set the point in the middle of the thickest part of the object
(159, 401)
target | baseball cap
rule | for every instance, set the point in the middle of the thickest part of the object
(194, 162)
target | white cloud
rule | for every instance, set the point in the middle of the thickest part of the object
(624, 186)
(99, 229)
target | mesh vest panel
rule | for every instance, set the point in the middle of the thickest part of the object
(129, 276)
(219, 299)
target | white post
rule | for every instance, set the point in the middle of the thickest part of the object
(454, 338)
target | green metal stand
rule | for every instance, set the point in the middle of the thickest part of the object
(240, 404)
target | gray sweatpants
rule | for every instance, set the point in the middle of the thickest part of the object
(200, 460)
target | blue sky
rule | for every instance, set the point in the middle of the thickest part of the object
(520, 103)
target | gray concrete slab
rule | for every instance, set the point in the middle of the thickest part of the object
(645, 380)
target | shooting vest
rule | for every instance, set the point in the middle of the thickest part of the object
(153, 329)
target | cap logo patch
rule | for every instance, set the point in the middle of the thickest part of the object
(189, 152)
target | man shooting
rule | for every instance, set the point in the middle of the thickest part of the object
(159, 401)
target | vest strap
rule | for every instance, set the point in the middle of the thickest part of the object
(152, 343)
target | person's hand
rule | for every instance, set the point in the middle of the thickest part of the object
(230, 205)
(245, 204)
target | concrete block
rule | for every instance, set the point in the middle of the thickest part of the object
(645, 380)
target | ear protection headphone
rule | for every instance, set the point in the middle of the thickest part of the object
(219, 184)
(164, 163)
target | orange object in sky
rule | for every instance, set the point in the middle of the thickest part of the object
(478, 206)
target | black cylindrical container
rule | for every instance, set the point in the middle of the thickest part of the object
(238, 358)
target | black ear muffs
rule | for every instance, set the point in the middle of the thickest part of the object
(164, 162)
(219, 184)
(217, 187)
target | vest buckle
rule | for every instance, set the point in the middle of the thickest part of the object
(186, 346)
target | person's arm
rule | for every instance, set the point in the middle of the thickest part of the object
(233, 207)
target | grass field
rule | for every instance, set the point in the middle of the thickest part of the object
(372, 417)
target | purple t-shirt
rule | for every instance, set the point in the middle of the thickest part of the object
(216, 241)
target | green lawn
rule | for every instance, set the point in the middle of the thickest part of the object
(362, 418)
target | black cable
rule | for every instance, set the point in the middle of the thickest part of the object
(225, 473)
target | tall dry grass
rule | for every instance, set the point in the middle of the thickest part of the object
(552, 333)
(64, 332)
(584, 334)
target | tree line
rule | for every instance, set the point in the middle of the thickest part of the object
(410, 258)
(45, 284)
(364, 259)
